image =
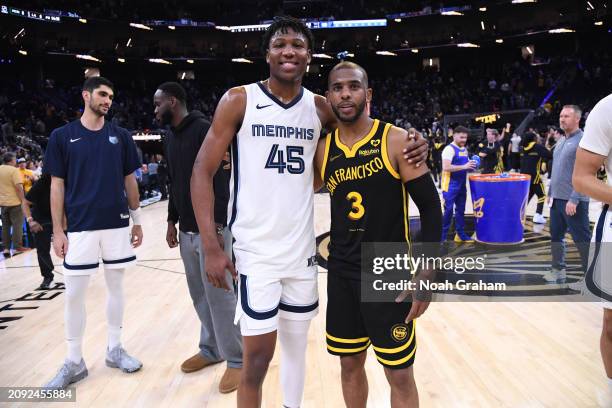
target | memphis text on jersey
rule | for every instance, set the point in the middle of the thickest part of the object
(287, 132)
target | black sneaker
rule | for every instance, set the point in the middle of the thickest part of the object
(46, 283)
(7, 254)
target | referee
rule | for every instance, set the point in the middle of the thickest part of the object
(92, 163)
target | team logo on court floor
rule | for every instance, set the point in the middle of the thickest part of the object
(520, 267)
(399, 332)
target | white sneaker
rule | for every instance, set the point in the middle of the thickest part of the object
(119, 358)
(539, 219)
(68, 374)
(555, 275)
(578, 286)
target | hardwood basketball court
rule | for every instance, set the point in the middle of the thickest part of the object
(479, 354)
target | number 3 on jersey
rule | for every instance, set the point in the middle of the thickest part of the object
(357, 209)
(294, 163)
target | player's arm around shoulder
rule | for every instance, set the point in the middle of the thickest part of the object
(396, 140)
(325, 113)
(320, 160)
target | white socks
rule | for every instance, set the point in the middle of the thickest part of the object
(75, 314)
(293, 337)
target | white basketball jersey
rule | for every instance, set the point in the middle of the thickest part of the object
(271, 188)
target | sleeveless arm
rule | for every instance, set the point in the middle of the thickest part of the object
(226, 122)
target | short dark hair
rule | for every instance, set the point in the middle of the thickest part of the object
(348, 65)
(282, 24)
(8, 157)
(461, 129)
(93, 83)
(575, 108)
(174, 89)
(528, 137)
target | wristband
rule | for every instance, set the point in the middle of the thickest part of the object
(135, 214)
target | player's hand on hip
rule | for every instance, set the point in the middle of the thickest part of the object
(416, 310)
(570, 208)
(420, 297)
(416, 149)
(216, 263)
(171, 235)
(60, 244)
(136, 238)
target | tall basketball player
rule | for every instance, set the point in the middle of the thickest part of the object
(596, 150)
(273, 127)
(92, 164)
(369, 206)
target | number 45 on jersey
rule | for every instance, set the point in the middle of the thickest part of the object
(294, 163)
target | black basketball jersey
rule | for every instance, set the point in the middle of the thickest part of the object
(368, 199)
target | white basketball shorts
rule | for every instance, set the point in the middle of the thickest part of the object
(86, 247)
(598, 278)
(261, 300)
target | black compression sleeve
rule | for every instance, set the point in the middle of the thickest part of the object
(425, 196)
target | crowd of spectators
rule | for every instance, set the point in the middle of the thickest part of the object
(29, 112)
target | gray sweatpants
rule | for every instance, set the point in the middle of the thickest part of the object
(219, 338)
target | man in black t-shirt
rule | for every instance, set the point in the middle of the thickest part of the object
(39, 220)
(489, 152)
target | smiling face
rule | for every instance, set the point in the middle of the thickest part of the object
(99, 100)
(288, 55)
(348, 93)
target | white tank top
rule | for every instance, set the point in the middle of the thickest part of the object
(270, 211)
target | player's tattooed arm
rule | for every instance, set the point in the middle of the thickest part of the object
(226, 123)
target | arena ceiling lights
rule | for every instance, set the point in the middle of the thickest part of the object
(141, 26)
(159, 61)
(386, 53)
(243, 60)
(468, 45)
(87, 57)
(561, 31)
(325, 56)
